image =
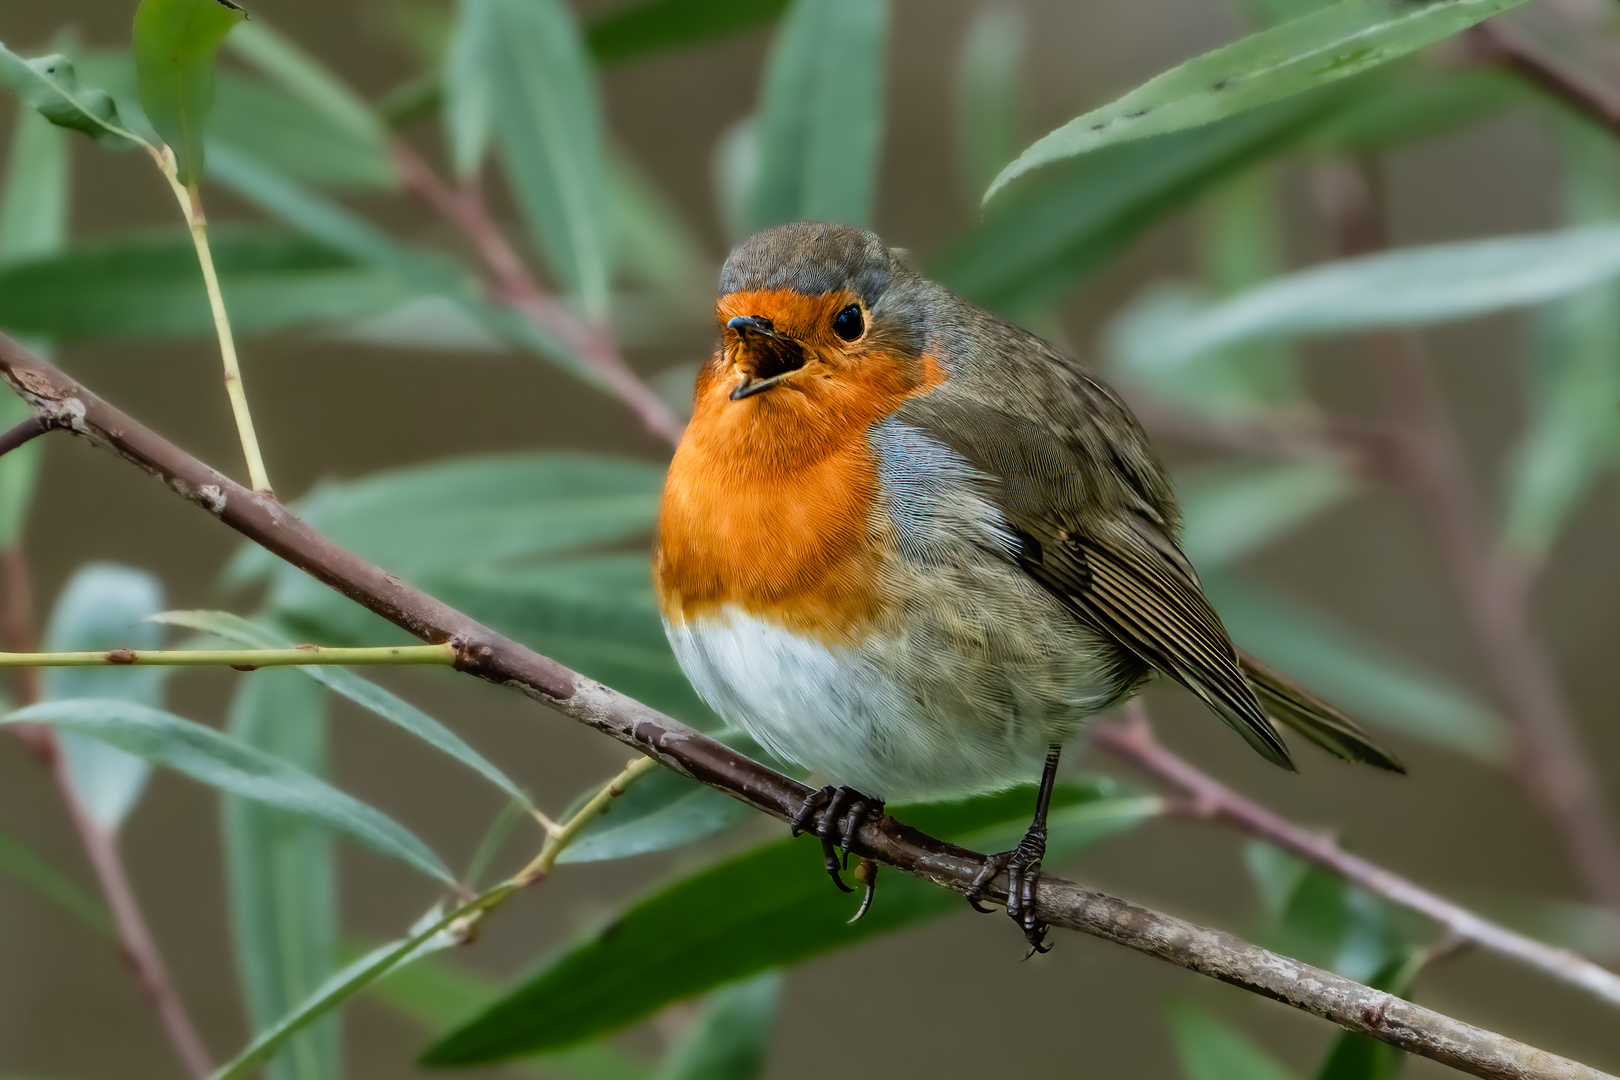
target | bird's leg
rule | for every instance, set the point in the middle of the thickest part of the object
(843, 811)
(1023, 865)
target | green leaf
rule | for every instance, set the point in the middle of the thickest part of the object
(1032, 246)
(1328, 45)
(282, 878)
(821, 114)
(1415, 101)
(1209, 1049)
(288, 65)
(146, 283)
(730, 1035)
(990, 108)
(1381, 689)
(1355, 1056)
(103, 606)
(1574, 391)
(547, 123)
(765, 908)
(654, 245)
(1230, 510)
(633, 30)
(367, 695)
(736, 177)
(220, 761)
(174, 43)
(468, 85)
(27, 866)
(50, 85)
(1411, 287)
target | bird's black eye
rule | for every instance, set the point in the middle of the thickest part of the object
(849, 324)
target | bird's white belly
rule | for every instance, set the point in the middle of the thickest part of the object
(844, 713)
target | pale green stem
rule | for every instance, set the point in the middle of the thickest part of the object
(301, 656)
(191, 205)
(565, 833)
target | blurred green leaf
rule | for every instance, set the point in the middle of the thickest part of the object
(821, 114)
(736, 177)
(729, 1037)
(288, 65)
(1410, 287)
(1413, 101)
(103, 606)
(765, 908)
(220, 761)
(23, 864)
(367, 695)
(1383, 690)
(656, 25)
(544, 115)
(1284, 61)
(1231, 510)
(468, 85)
(1574, 391)
(174, 43)
(654, 245)
(1209, 1049)
(1037, 242)
(1356, 1057)
(282, 878)
(50, 85)
(146, 284)
(990, 109)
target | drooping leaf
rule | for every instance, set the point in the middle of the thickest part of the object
(990, 109)
(21, 863)
(1229, 511)
(730, 1035)
(1384, 690)
(147, 284)
(103, 607)
(1355, 1056)
(293, 68)
(220, 761)
(282, 877)
(1209, 1049)
(468, 85)
(736, 177)
(174, 43)
(1410, 287)
(1036, 243)
(50, 85)
(821, 114)
(633, 30)
(367, 695)
(1325, 46)
(762, 909)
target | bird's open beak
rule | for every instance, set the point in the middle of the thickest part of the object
(764, 357)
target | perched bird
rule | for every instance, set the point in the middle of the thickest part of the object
(914, 547)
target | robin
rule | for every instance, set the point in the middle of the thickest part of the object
(914, 547)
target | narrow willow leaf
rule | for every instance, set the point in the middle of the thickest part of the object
(1383, 690)
(821, 114)
(548, 125)
(654, 246)
(50, 86)
(1230, 511)
(220, 761)
(1033, 246)
(1209, 1049)
(736, 177)
(103, 607)
(367, 695)
(730, 1035)
(288, 65)
(765, 908)
(146, 283)
(1417, 101)
(990, 108)
(431, 934)
(282, 877)
(1410, 287)
(21, 863)
(1338, 41)
(635, 29)
(174, 43)
(468, 85)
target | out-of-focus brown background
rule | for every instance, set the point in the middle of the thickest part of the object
(950, 999)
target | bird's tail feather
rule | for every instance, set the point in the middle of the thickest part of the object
(1290, 704)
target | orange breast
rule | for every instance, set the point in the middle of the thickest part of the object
(768, 506)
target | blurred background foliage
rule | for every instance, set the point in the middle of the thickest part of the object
(1203, 240)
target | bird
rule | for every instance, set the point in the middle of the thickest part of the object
(914, 548)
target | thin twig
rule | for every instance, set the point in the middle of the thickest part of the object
(30, 428)
(488, 655)
(1496, 42)
(512, 284)
(558, 839)
(1210, 800)
(243, 659)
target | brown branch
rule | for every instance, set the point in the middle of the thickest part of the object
(1497, 42)
(1210, 800)
(59, 401)
(512, 284)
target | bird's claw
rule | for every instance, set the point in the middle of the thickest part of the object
(842, 813)
(1023, 868)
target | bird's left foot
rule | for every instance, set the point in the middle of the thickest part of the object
(1023, 867)
(843, 811)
